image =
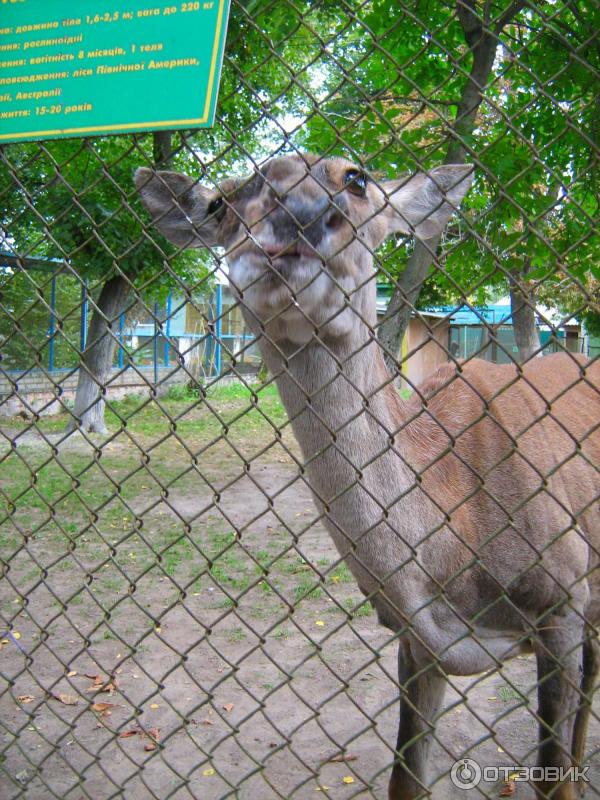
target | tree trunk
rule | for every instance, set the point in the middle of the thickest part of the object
(522, 306)
(97, 358)
(162, 149)
(483, 42)
(403, 301)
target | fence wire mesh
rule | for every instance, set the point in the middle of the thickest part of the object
(332, 414)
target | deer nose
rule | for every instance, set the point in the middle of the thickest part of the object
(294, 220)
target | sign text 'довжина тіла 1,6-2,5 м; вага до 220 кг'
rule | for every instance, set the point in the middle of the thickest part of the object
(110, 66)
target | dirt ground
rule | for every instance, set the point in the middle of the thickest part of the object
(196, 593)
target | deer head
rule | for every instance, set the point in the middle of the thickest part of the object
(299, 234)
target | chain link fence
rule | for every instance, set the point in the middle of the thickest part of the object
(265, 426)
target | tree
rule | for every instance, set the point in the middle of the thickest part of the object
(97, 358)
(507, 85)
(74, 201)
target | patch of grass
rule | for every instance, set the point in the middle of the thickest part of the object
(306, 590)
(31, 575)
(341, 574)
(365, 609)
(223, 577)
(8, 544)
(264, 558)
(182, 392)
(236, 635)
(226, 602)
(231, 403)
(172, 557)
(218, 541)
(293, 567)
(110, 584)
(64, 565)
(75, 601)
(507, 693)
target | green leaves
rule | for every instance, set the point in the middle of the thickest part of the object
(380, 83)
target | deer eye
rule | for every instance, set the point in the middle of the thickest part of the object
(217, 207)
(356, 182)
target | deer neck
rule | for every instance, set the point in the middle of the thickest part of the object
(358, 439)
(345, 413)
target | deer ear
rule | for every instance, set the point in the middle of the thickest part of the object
(183, 211)
(423, 203)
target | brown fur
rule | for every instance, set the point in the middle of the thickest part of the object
(469, 514)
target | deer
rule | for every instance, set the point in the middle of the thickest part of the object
(468, 513)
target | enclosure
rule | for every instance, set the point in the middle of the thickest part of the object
(177, 621)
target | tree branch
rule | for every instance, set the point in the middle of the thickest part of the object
(483, 43)
(511, 12)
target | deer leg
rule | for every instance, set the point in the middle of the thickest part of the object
(421, 696)
(558, 663)
(591, 668)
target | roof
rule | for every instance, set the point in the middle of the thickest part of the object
(493, 314)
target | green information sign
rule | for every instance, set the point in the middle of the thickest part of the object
(108, 66)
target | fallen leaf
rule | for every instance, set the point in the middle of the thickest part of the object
(66, 699)
(343, 757)
(129, 733)
(16, 634)
(111, 686)
(320, 623)
(508, 789)
(154, 735)
(25, 698)
(348, 779)
(228, 707)
(154, 705)
(101, 707)
(207, 721)
(208, 772)
(72, 673)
